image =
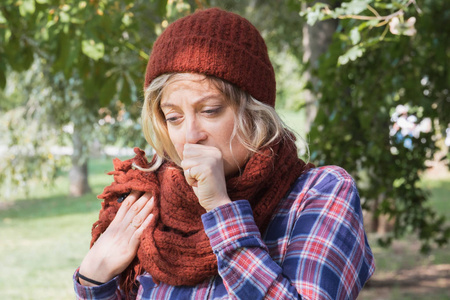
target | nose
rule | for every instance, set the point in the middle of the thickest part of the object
(195, 133)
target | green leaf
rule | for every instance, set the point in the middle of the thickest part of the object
(74, 52)
(384, 5)
(108, 91)
(369, 23)
(2, 19)
(2, 80)
(161, 8)
(355, 7)
(27, 57)
(93, 49)
(89, 85)
(314, 13)
(125, 93)
(62, 53)
(64, 17)
(293, 5)
(355, 36)
(27, 7)
(352, 54)
(127, 19)
(7, 35)
(19, 57)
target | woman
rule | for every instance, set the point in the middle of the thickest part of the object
(225, 209)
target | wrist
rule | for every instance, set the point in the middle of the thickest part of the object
(86, 281)
(93, 271)
(217, 203)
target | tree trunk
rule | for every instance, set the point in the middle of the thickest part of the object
(316, 40)
(78, 175)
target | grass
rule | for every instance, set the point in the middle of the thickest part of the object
(406, 250)
(439, 197)
(402, 272)
(44, 238)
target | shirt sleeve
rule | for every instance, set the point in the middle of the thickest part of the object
(107, 291)
(326, 257)
(244, 263)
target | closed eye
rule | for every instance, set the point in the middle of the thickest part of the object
(173, 119)
(212, 111)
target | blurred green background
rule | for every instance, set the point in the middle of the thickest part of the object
(364, 83)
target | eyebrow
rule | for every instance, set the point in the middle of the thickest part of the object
(202, 99)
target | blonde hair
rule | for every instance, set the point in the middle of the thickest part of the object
(256, 124)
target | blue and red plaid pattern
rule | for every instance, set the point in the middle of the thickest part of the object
(315, 247)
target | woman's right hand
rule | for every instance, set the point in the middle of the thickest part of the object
(117, 246)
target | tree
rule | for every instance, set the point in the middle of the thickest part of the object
(380, 55)
(93, 54)
(26, 141)
(384, 55)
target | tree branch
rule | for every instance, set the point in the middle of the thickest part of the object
(377, 16)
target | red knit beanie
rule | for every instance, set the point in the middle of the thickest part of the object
(217, 43)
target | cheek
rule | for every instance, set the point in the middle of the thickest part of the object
(178, 141)
(235, 158)
(241, 153)
(225, 138)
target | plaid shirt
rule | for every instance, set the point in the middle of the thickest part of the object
(315, 247)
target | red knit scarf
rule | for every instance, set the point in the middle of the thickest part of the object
(176, 249)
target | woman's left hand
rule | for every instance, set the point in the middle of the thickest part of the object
(203, 169)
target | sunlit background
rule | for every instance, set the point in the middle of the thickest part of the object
(365, 84)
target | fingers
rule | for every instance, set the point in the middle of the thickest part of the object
(134, 208)
(126, 204)
(138, 219)
(131, 211)
(141, 221)
(117, 246)
(198, 159)
(192, 151)
(201, 162)
(204, 171)
(190, 177)
(135, 240)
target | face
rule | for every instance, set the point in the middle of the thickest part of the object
(197, 113)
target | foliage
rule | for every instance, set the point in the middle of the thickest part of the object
(89, 57)
(27, 141)
(97, 41)
(360, 35)
(92, 55)
(360, 90)
(282, 32)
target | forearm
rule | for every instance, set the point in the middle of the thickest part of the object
(245, 265)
